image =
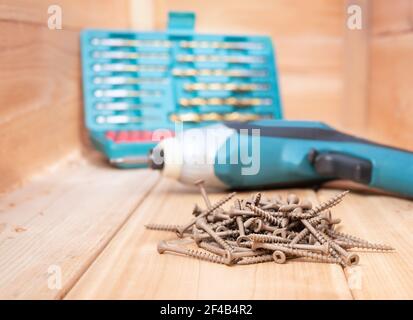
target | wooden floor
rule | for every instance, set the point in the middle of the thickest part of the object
(78, 233)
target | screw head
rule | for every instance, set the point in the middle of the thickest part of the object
(162, 246)
(279, 256)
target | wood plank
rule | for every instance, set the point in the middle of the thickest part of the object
(75, 14)
(356, 71)
(276, 17)
(141, 15)
(390, 95)
(41, 113)
(391, 17)
(131, 268)
(63, 219)
(308, 37)
(381, 219)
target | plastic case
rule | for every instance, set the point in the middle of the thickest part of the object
(136, 83)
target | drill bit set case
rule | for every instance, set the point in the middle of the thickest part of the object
(137, 82)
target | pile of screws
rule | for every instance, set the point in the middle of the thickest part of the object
(260, 229)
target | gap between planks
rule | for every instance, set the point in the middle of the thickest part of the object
(379, 219)
(65, 219)
(130, 267)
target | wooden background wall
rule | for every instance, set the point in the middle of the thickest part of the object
(360, 81)
(40, 82)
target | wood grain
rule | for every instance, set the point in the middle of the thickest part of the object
(41, 116)
(76, 14)
(356, 72)
(380, 219)
(390, 97)
(389, 17)
(308, 37)
(63, 219)
(131, 268)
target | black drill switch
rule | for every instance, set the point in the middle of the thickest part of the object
(341, 166)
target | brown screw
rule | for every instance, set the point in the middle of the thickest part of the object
(201, 223)
(182, 229)
(257, 259)
(350, 258)
(328, 204)
(279, 256)
(321, 239)
(256, 199)
(163, 227)
(164, 247)
(200, 183)
(197, 236)
(263, 214)
(309, 254)
(301, 235)
(266, 238)
(259, 245)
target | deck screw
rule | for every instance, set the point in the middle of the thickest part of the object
(257, 259)
(279, 256)
(263, 214)
(163, 227)
(261, 226)
(200, 183)
(329, 203)
(260, 245)
(350, 258)
(202, 224)
(182, 229)
(266, 238)
(164, 247)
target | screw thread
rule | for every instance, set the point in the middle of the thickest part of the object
(266, 238)
(211, 248)
(263, 214)
(223, 223)
(163, 227)
(256, 199)
(300, 236)
(327, 204)
(206, 256)
(309, 254)
(337, 234)
(257, 259)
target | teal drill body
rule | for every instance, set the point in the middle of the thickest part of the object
(295, 153)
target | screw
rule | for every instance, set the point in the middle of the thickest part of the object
(241, 212)
(182, 229)
(200, 183)
(256, 199)
(265, 238)
(362, 245)
(163, 227)
(301, 235)
(321, 248)
(164, 247)
(197, 236)
(309, 254)
(201, 223)
(223, 223)
(321, 239)
(279, 256)
(257, 259)
(350, 258)
(263, 214)
(329, 203)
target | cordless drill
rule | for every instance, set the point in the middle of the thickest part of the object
(280, 153)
